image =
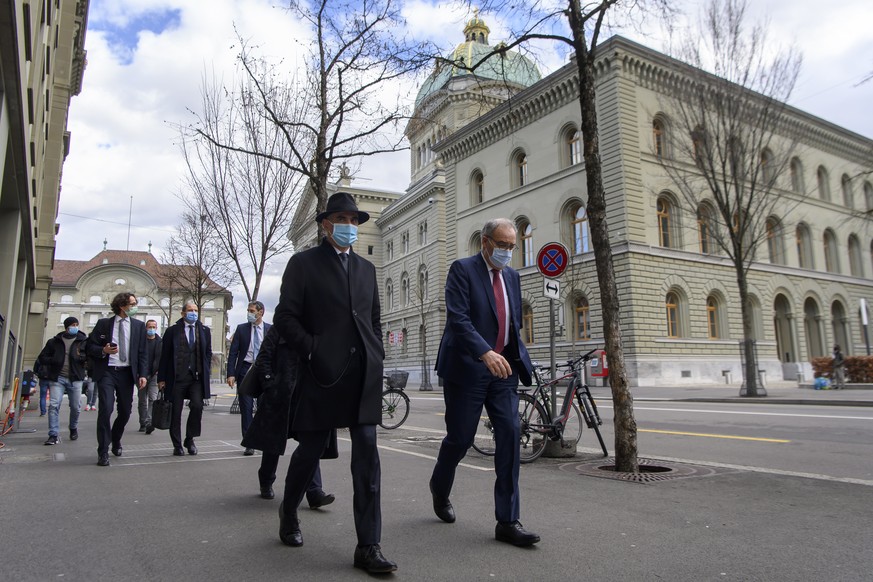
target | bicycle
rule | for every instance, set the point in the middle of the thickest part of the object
(535, 414)
(395, 406)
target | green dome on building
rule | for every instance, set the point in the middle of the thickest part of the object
(509, 67)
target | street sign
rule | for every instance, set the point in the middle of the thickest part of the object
(552, 259)
(551, 289)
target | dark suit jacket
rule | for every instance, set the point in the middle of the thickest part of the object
(102, 335)
(332, 321)
(239, 347)
(471, 323)
(167, 368)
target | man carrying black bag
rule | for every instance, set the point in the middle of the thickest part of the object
(271, 381)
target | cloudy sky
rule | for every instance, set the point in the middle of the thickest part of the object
(146, 59)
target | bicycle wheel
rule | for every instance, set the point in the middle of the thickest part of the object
(592, 418)
(484, 443)
(395, 408)
(533, 429)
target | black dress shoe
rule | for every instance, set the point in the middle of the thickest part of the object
(267, 492)
(370, 558)
(320, 500)
(513, 532)
(178, 452)
(249, 452)
(192, 448)
(74, 434)
(116, 451)
(149, 429)
(289, 528)
(142, 428)
(442, 507)
(103, 460)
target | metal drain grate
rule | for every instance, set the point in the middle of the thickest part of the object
(651, 470)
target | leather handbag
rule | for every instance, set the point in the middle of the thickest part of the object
(162, 413)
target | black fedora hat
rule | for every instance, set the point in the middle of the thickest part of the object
(342, 202)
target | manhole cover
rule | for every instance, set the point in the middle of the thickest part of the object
(651, 470)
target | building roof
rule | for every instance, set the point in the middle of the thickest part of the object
(509, 66)
(68, 273)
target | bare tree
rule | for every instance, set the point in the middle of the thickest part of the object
(424, 305)
(193, 265)
(579, 27)
(247, 198)
(357, 54)
(728, 143)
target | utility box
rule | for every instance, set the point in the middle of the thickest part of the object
(599, 367)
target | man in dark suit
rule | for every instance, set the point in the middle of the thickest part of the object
(117, 350)
(244, 348)
(329, 314)
(183, 374)
(481, 359)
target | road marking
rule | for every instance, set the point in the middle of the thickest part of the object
(714, 436)
(423, 456)
(749, 413)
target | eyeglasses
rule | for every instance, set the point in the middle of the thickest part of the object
(503, 245)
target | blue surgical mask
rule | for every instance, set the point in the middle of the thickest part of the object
(151, 331)
(191, 317)
(73, 330)
(500, 257)
(345, 235)
(252, 317)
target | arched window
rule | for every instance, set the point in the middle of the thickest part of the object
(525, 242)
(704, 229)
(95, 299)
(527, 321)
(699, 145)
(477, 188)
(404, 289)
(848, 196)
(712, 317)
(868, 196)
(659, 138)
(672, 304)
(579, 228)
(666, 230)
(796, 169)
(824, 188)
(475, 244)
(855, 265)
(581, 321)
(66, 298)
(422, 283)
(804, 247)
(519, 169)
(572, 142)
(389, 295)
(832, 262)
(775, 242)
(767, 171)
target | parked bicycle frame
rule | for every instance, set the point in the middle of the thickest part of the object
(535, 417)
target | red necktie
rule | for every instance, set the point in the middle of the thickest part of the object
(497, 286)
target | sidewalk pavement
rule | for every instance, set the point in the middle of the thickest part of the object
(151, 516)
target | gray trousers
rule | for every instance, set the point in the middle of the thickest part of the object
(146, 398)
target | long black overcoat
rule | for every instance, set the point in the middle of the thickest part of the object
(331, 320)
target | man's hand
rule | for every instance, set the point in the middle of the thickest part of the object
(231, 381)
(142, 383)
(110, 349)
(161, 386)
(497, 364)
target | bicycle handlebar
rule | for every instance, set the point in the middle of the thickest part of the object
(570, 363)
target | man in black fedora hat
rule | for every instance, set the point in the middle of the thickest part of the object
(329, 312)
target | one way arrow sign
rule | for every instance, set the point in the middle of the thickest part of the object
(551, 288)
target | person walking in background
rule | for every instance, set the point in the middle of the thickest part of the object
(243, 351)
(271, 380)
(183, 373)
(89, 387)
(329, 314)
(481, 359)
(117, 352)
(62, 363)
(44, 387)
(839, 366)
(146, 396)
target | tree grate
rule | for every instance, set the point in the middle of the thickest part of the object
(651, 471)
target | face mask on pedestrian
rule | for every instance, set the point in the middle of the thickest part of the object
(132, 310)
(151, 332)
(72, 330)
(252, 317)
(344, 235)
(500, 257)
(191, 317)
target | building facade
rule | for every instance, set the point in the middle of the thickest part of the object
(84, 290)
(42, 62)
(519, 156)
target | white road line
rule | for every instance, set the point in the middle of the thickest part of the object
(749, 413)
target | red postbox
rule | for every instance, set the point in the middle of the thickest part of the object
(599, 367)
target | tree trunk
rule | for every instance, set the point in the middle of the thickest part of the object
(750, 372)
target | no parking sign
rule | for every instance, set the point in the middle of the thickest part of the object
(552, 259)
